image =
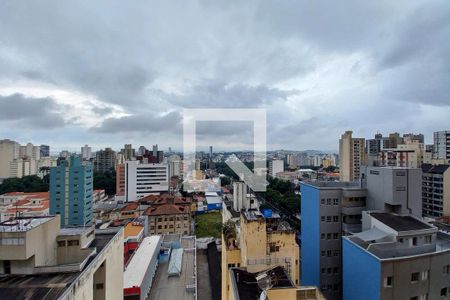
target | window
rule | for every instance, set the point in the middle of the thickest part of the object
(414, 241)
(61, 243)
(329, 253)
(322, 218)
(322, 270)
(336, 253)
(335, 218)
(322, 201)
(328, 201)
(328, 218)
(328, 236)
(415, 277)
(400, 240)
(414, 298)
(99, 286)
(322, 253)
(74, 243)
(328, 270)
(335, 270)
(335, 201)
(424, 297)
(428, 239)
(446, 269)
(425, 275)
(388, 281)
(335, 235)
(444, 291)
(322, 236)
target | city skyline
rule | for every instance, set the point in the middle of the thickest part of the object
(315, 70)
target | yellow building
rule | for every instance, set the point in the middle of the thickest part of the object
(259, 244)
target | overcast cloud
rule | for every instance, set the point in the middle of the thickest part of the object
(113, 72)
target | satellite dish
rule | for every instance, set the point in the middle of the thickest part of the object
(266, 280)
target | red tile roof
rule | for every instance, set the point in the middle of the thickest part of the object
(130, 206)
(165, 199)
(167, 209)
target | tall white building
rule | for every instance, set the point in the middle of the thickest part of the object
(144, 179)
(276, 166)
(442, 145)
(30, 151)
(9, 150)
(21, 167)
(86, 152)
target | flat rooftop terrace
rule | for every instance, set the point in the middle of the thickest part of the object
(400, 223)
(46, 286)
(174, 287)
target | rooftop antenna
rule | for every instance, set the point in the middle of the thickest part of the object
(265, 280)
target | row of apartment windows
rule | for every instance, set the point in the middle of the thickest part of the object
(329, 287)
(329, 253)
(329, 236)
(416, 276)
(329, 201)
(69, 243)
(172, 218)
(171, 226)
(330, 271)
(329, 219)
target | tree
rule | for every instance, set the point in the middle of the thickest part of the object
(26, 184)
(105, 181)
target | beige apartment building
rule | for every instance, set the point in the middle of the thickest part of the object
(263, 242)
(352, 156)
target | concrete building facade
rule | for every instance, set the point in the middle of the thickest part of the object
(435, 190)
(276, 166)
(442, 145)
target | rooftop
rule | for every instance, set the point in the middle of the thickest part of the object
(47, 286)
(400, 223)
(247, 286)
(335, 184)
(132, 229)
(174, 287)
(23, 224)
(434, 169)
(135, 271)
(167, 209)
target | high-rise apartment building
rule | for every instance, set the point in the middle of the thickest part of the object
(334, 209)
(396, 257)
(435, 190)
(329, 209)
(351, 156)
(105, 160)
(45, 150)
(71, 189)
(30, 151)
(9, 150)
(128, 152)
(86, 152)
(276, 166)
(442, 145)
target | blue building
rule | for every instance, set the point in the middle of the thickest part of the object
(71, 188)
(328, 210)
(396, 257)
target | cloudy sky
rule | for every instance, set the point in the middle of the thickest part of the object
(107, 73)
